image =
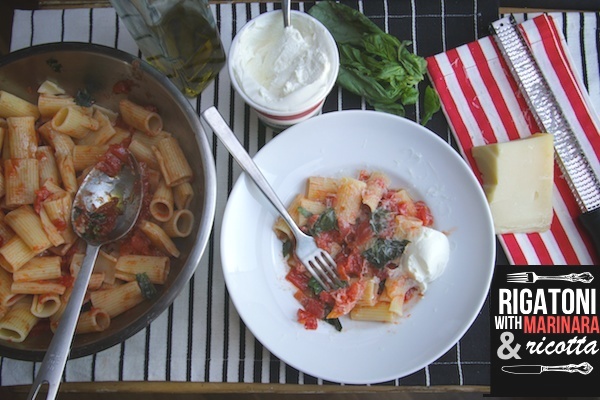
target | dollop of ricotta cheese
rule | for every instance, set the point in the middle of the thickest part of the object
(426, 256)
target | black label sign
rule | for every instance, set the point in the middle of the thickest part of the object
(545, 334)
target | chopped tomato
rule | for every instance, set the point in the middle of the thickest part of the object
(325, 239)
(312, 311)
(402, 208)
(110, 164)
(120, 151)
(114, 158)
(298, 278)
(138, 243)
(346, 298)
(308, 320)
(423, 213)
(364, 232)
(314, 307)
(327, 299)
(349, 265)
(346, 232)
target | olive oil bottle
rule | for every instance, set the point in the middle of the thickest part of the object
(178, 37)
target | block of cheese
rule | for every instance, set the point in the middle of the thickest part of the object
(517, 180)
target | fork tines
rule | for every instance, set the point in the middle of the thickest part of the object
(323, 268)
(519, 277)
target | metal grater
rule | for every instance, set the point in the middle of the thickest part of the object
(582, 180)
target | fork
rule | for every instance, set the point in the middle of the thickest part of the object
(532, 277)
(317, 261)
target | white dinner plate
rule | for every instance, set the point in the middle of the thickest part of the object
(341, 144)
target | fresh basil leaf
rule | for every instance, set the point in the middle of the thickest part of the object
(415, 65)
(393, 108)
(304, 212)
(335, 322)
(84, 99)
(346, 24)
(362, 85)
(385, 46)
(379, 220)
(326, 222)
(54, 64)
(431, 104)
(373, 64)
(287, 248)
(410, 95)
(384, 250)
(391, 72)
(146, 286)
(315, 286)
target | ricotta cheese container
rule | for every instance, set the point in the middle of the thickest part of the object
(285, 74)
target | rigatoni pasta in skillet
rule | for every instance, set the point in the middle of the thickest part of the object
(46, 150)
(383, 243)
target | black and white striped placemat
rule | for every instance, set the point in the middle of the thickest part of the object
(201, 338)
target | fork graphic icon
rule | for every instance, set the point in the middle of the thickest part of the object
(532, 277)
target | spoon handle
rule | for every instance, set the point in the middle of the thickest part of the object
(56, 356)
(286, 6)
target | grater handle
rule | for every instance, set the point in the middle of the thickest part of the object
(591, 222)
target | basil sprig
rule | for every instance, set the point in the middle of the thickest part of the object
(374, 64)
(382, 251)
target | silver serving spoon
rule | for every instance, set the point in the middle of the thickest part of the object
(124, 191)
(286, 6)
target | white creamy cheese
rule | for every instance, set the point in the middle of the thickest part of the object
(282, 68)
(426, 256)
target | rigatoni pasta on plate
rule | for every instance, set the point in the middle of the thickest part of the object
(46, 150)
(383, 243)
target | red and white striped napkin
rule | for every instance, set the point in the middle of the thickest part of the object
(483, 105)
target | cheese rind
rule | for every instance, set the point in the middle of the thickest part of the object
(517, 179)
